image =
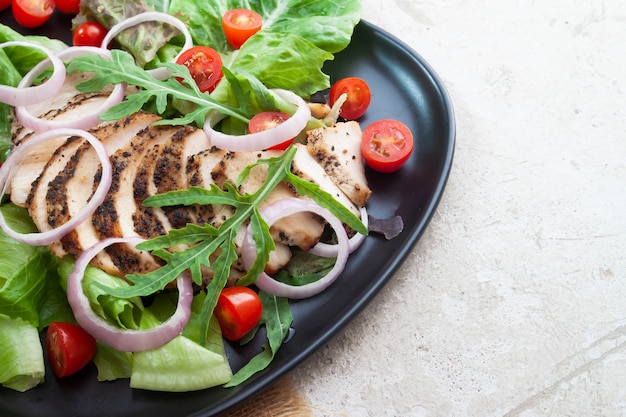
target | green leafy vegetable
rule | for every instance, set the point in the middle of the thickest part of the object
(277, 319)
(21, 355)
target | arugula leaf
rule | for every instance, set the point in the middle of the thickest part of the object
(121, 68)
(204, 241)
(277, 319)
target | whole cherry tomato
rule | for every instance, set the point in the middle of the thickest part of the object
(267, 120)
(239, 25)
(205, 66)
(32, 13)
(359, 97)
(238, 310)
(69, 348)
(386, 145)
(89, 34)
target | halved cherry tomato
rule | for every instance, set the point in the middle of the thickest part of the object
(32, 13)
(359, 97)
(68, 6)
(239, 25)
(205, 66)
(69, 348)
(4, 4)
(386, 145)
(89, 34)
(238, 310)
(267, 120)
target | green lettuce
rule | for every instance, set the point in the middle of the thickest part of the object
(21, 355)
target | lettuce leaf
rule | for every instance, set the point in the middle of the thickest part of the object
(21, 355)
(327, 24)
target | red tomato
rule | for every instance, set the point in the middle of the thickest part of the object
(386, 145)
(267, 120)
(359, 97)
(69, 348)
(89, 34)
(205, 66)
(32, 13)
(239, 25)
(238, 310)
(4, 4)
(68, 6)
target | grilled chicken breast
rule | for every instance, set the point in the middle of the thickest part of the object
(56, 181)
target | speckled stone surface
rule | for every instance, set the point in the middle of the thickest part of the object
(513, 303)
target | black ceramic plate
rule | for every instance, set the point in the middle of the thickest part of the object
(405, 88)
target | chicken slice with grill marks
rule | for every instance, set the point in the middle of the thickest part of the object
(32, 166)
(117, 216)
(305, 166)
(338, 150)
(170, 173)
(73, 185)
(301, 229)
(199, 170)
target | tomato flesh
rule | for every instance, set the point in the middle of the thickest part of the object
(386, 145)
(268, 120)
(32, 13)
(358, 100)
(69, 348)
(68, 6)
(238, 311)
(204, 65)
(239, 25)
(89, 34)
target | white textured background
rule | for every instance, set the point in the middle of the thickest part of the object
(514, 301)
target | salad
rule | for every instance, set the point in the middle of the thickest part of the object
(163, 339)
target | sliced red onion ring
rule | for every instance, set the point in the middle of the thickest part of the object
(27, 94)
(121, 339)
(267, 138)
(85, 122)
(19, 153)
(278, 210)
(327, 250)
(159, 73)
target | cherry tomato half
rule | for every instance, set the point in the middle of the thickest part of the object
(4, 4)
(268, 120)
(69, 348)
(238, 310)
(359, 97)
(386, 145)
(32, 13)
(89, 34)
(68, 6)
(239, 25)
(205, 66)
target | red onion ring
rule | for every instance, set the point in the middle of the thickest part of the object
(85, 122)
(27, 95)
(327, 250)
(121, 339)
(19, 153)
(159, 73)
(276, 211)
(264, 139)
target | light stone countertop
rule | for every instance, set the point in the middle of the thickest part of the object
(513, 303)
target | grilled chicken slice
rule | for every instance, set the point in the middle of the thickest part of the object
(305, 166)
(301, 229)
(338, 150)
(74, 183)
(32, 166)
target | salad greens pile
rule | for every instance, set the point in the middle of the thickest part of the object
(298, 36)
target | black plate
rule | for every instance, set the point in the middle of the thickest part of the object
(404, 87)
